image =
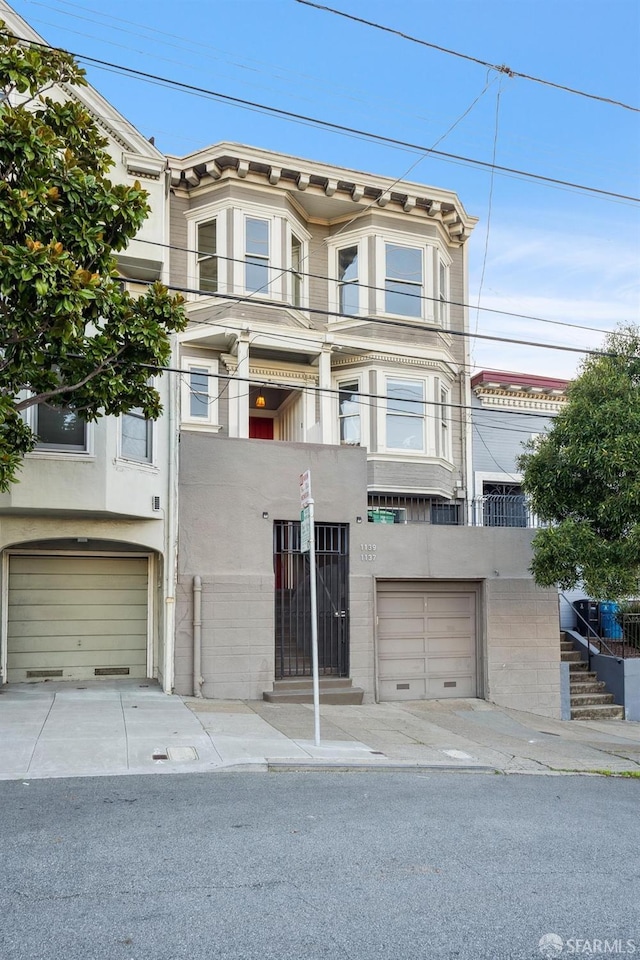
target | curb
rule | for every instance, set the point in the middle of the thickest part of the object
(351, 766)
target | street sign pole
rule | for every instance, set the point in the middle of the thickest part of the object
(314, 625)
(308, 542)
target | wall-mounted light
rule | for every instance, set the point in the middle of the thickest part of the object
(358, 519)
(260, 402)
(265, 514)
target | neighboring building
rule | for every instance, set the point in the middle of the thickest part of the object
(327, 333)
(83, 534)
(509, 409)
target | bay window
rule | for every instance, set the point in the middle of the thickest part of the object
(58, 428)
(256, 255)
(403, 280)
(207, 257)
(405, 415)
(296, 271)
(348, 289)
(349, 413)
(136, 434)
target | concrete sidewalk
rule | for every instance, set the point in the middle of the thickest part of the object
(102, 728)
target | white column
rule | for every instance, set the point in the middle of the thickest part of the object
(327, 404)
(242, 402)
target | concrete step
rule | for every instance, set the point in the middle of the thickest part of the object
(295, 683)
(594, 712)
(588, 686)
(590, 699)
(580, 667)
(570, 656)
(301, 691)
(566, 644)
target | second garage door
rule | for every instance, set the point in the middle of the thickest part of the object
(75, 618)
(426, 641)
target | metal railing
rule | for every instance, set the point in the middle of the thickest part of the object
(628, 645)
(503, 510)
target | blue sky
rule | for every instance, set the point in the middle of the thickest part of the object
(551, 252)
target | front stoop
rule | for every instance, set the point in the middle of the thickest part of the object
(589, 697)
(338, 690)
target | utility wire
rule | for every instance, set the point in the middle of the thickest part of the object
(328, 125)
(500, 68)
(370, 286)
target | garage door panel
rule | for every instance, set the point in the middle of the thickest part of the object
(74, 616)
(72, 628)
(78, 565)
(437, 657)
(60, 581)
(401, 605)
(80, 597)
(410, 689)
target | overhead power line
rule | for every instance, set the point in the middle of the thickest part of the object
(500, 68)
(369, 286)
(329, 125)
(367, 318)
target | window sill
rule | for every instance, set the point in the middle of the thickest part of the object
(82, 456)
(200, 427)
(137, 464)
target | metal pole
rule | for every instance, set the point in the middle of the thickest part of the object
(314, 624)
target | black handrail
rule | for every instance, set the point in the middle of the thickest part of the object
(596, 636)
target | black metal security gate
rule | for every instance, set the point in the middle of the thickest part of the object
(293, 600)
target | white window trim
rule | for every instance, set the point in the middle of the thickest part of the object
(274, 290)
(151, 433)
(338, 383)
(204, 423)
(427, 434)
(206, 214)
(442, 415)
(360, 240)
(291, 230)
(59, 453)
(432, 254)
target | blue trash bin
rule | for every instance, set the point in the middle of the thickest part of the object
(610, 629)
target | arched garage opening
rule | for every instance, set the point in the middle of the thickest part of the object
(78, 609)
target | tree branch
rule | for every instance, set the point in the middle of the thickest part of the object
(68, 388)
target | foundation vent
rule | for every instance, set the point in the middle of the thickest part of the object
(111, 672)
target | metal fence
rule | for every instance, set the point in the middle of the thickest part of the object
(492, 510)
(503, 510)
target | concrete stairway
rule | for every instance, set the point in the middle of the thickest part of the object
(589, 697)
(300, 690)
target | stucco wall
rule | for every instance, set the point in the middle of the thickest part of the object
(225, 486)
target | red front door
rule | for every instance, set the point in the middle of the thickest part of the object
(260, 428)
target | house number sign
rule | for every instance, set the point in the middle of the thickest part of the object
(368, 552)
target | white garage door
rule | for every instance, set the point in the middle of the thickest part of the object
(426, 641)
(76, 618)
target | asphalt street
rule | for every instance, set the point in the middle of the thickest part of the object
(309, 865)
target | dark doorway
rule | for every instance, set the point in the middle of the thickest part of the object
(260, 428)
(293, 601)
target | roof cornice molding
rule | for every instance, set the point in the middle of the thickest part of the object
(520, 399)
(233, 161)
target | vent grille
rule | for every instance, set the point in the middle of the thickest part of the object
(111, 672)
(43, 674)
(403, 686)
(451, 683)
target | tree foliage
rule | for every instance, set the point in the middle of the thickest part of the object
(583, 477)
(70, 334)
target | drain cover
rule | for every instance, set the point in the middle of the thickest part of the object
(182, 753)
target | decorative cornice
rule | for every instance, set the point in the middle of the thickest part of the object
(501, 399)
(264, 371)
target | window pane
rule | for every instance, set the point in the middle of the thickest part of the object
(349, 414)
(60, 427)
(256, 275)
(209, 274)
(296, 254)
(406, 395)
(258, 237)
(207, 239)
(348, 264)
(403, 298)
(404, 263)
(199, 393)
(349, 298)
(296, 267)
(136, 436)
(404, 433)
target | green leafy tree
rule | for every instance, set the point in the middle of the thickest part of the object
(70, 334)
(583, 477)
